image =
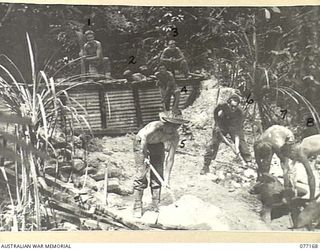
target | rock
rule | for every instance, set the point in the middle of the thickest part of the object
(50, 170)
(64, 152)
(113, 184)
(235, 184)
(149, 217)
(78, 153)
(220, 174)
(214, 177)
(96, 158)
(78, 165)
(93, 162)
(99, 175)
(270, 190)
(191, 212)
(88, 224)
(95, 145)
(77, 142)
(69, 226)
(309, 215)
(91, 170)
(250, 173)
(107, 151)
(64, 171)
(90, 183)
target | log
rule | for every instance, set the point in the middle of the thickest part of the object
(111, 174)
(105, 218)
(63, 216)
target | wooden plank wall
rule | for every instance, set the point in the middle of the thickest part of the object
(123, 108)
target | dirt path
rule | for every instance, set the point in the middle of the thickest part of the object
(240, 210)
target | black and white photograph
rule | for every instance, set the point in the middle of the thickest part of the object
(117, 118)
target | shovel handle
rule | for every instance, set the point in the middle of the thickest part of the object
(231, 146)
(161, 180)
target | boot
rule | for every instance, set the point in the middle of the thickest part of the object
(204, 170)
(137, 207)
(155, 192)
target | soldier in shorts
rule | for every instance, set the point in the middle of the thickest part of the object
(168, 88)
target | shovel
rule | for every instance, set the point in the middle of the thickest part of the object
(147, 161)
(232, 148)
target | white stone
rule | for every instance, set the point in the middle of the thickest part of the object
(250, 173)
(191, 212)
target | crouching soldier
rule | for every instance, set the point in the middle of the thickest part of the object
(134, 77)
(149, 147)
(228, 119)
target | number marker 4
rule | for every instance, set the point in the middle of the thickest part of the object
(184, 89)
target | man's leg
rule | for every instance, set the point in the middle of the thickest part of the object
(157, 156)
(175, 108)
(211, 150)
(140, 179)
(184, 68)
(106, 65)
(288, 176)
(263, 154)
(244, 149)
(170, 66)
(166, 101)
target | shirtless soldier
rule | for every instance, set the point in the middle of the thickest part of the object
(92, 54)
(149, 145)
(280, 140)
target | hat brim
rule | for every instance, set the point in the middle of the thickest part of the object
(174, 120)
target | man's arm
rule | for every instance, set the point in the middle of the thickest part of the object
(179, 54)
(218, 114)
(170, 159)
(144, 148)
(164, 56)
(238, 129)
(237, 144)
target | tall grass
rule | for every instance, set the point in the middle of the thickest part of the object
(35, 110)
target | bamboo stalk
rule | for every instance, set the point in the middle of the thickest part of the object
(105, 194)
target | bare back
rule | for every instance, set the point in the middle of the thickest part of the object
(310, 146)
(277, 136)
(158, 131)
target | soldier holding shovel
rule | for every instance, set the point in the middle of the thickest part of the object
(149, 150)
(228, 120)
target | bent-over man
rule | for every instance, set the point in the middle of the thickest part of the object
(149, 146)
(280, 140)
(228, 119)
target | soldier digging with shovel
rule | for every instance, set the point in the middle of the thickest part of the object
(149, 152)
(228, 119)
